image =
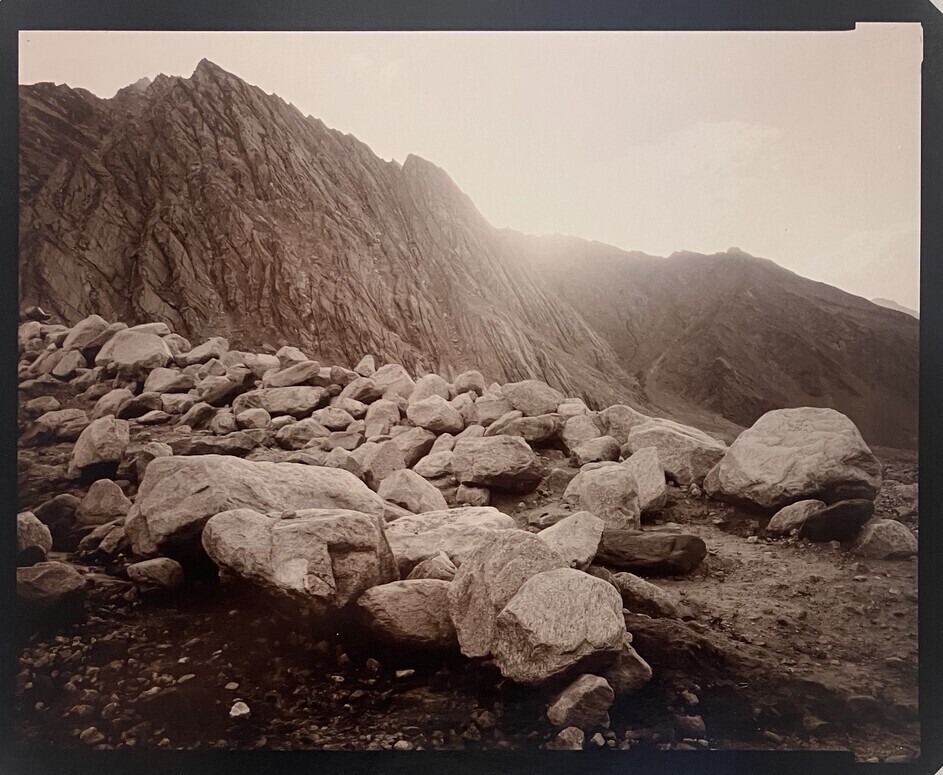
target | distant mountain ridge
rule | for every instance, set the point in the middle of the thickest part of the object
(891, 304)
(220, 209)
(739, 335)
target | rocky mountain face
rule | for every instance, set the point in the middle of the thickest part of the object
(219, 209)
(738, 335)
(891, 304)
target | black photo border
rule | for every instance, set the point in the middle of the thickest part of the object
(272, 15)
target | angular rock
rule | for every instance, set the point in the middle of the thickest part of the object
(839, 522)
(577, 430)
(362, 389)
(569, 739)
(488, 578)
(58, 425)
(610, 492)
(649, 475)
(643, 597)
(439, 566)
(584, 703)
(179, 494)
(366, 366)
(619, 420)
(557, 620)
(134, 354)
(791, 517)
(651, 553)
(470, 381)
(379, 461)
(628, 672)
(49, 585)
(542, 429)
(99, 448)
(885, 539)
(320, 558)
(434, 465)
(394, 379)
(162, 380)
(198, 416)
(498, 462)
(214, 347)
(532, 397)
(138, 406)
(33, 539)
(686, 454)
(69, 364)
(413, 613)
(435, 414)
(430, 385)
(302, 373)
(156, 573)
(288, 356)
(104, 502)
(797, 454)
(604, 448)
(297, 402)
(83, 333)
(469, 495)
(456, 532)
(575, 538)
(297, 434)
(490, 409)
(333, 419)
(253, 418)
(408, 489)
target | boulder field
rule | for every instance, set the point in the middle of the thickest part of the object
(393, 501)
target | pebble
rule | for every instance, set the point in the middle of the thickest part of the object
(92, 736)
(231, 686)
(239, 710)
(402, 745)
(598, 740)
(405, 673)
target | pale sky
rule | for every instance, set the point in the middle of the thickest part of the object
(801, 147)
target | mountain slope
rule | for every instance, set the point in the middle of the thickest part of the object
(739, 335)
(208, 204)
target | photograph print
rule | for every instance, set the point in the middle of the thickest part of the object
(469, 391)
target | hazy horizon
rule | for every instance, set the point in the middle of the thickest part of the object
(803, 148)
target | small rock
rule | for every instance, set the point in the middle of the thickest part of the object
(239, 710)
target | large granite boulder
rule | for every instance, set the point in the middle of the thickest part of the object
(797, 454)
(557, 621)
(575, 539)
(413, 614)
(610, 492)
(393, 379)
(498, 462)
(456, 532)
(322, 559)
(488, 578)
(685, 453)
(179, 494)
(579, 429)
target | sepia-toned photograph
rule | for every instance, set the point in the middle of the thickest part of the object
(469, 391)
